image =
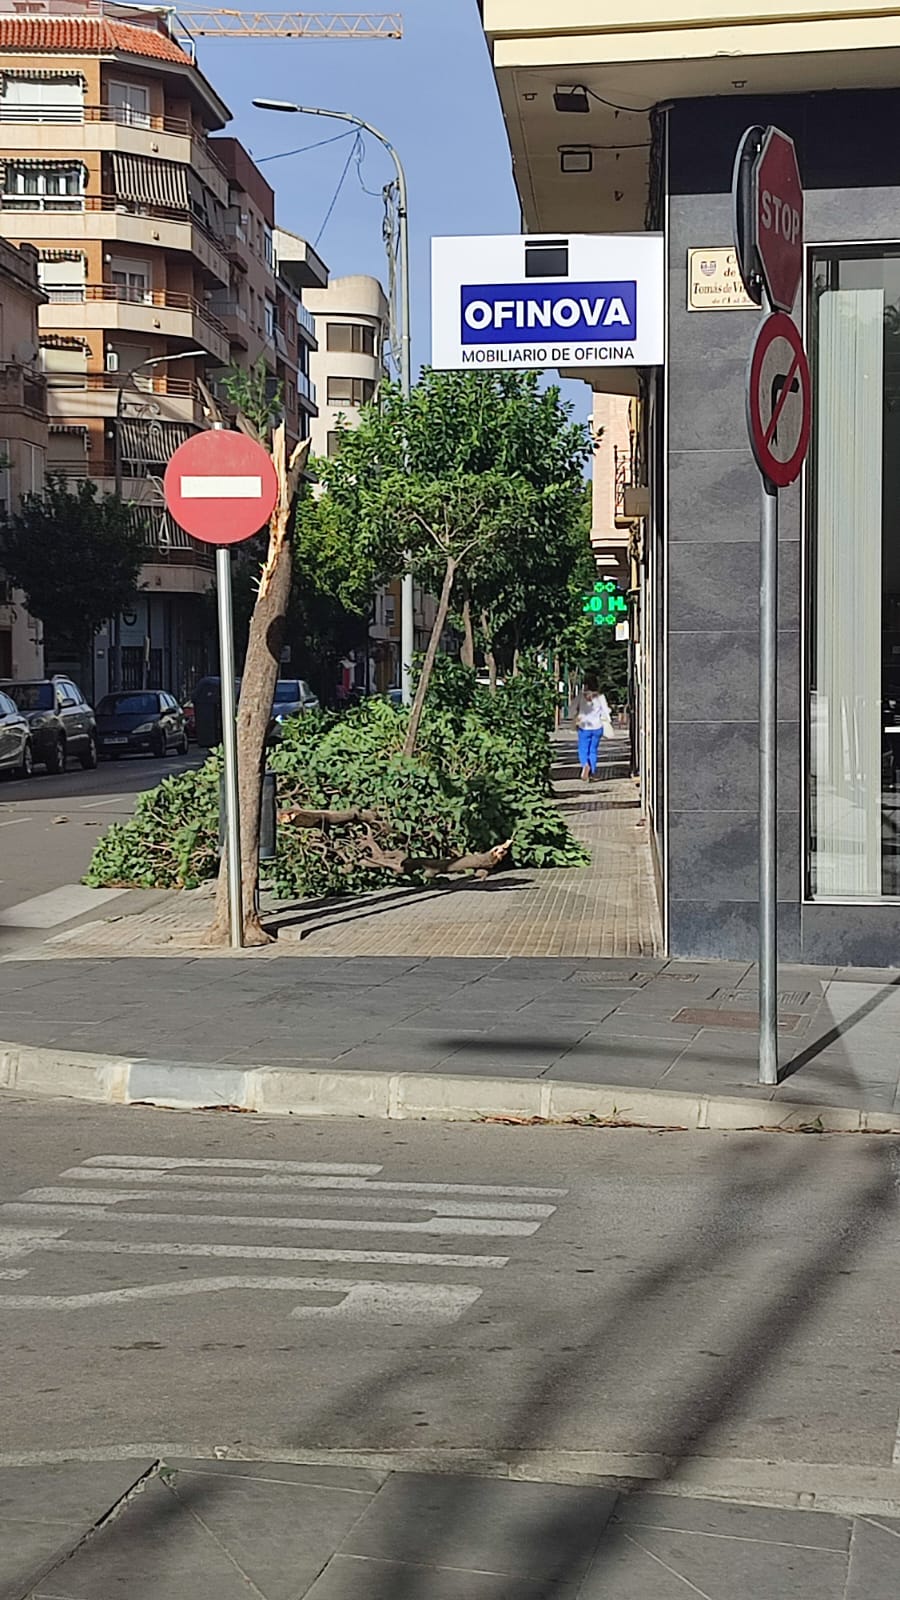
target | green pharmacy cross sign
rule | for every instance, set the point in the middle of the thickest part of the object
(605, 604)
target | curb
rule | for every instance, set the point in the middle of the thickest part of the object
(314, 1092)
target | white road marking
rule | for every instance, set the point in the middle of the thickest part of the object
(413, 1302)
(11, 823)
(111, 800)
(470, 1226)
(330, 1169)
(355, 1202)
(59, 905)
(109, 1193)
(303, 1181)
(55, 1245)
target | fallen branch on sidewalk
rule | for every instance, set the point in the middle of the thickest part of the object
(404, 866)
(326, 819)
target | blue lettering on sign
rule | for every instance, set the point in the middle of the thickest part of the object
(520, 313)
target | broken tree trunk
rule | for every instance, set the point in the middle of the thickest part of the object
(467, 648)
(257, 691)
(440, 621)
(404, 866)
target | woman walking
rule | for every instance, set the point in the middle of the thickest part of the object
(593, 719)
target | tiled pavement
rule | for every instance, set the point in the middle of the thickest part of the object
(606, 909)
(226, 1530)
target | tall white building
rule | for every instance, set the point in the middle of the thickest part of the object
(351, 331)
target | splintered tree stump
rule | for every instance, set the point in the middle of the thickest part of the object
(397, 861)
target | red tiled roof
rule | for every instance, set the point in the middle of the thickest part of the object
(87, 36)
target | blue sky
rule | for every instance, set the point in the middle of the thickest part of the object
(432, 94)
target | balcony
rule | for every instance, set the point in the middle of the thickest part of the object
(80, 397)
(306, 323)
(65, 130)
(234, 319)
(149, 312)
(306, 389)
(106, 217)
(21, 389)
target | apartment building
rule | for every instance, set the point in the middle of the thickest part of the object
(23, 438)
(619, 128)
(156, 257)
(352, 328)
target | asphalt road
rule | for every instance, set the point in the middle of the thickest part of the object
(48, 828)
(178, 1279)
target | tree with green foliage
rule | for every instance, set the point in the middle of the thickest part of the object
(76, 557)
(476, 481)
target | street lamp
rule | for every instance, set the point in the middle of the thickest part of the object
(407, 607)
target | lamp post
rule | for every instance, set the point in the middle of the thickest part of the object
(407, 605)
(151, 361)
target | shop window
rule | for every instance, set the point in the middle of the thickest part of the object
(354, 338)
(854, 650)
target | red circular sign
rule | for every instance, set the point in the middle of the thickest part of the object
(220, 486)
(779, 218)
(779, 400)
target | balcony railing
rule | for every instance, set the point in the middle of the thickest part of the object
(306, 388)
(109, 202)
(123, 116)
(305, 319)
(145, 382)
(20, 387)
(124, 295)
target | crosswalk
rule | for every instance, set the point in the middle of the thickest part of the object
(152, 1212)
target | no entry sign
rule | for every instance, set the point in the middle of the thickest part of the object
(220, 486)
(779, 401)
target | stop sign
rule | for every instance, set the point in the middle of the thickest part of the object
(220, 486)
(778, 206)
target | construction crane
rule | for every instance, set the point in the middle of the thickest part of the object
(218, 24)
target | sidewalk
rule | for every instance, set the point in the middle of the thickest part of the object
(223, 1530)
(606, 909)
(645, 1041)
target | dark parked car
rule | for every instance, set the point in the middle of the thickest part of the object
(16, 754)
(61, 721)
(141, 719)
(292, 696)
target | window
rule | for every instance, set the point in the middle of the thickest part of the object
(129, 104)
(389, 609)
(350, 391)
(333, 442)
(132, 281)
(43, 187)
(853, 805)
(57, 98)
(270, 320)
(65, 366)
(354, 338)
(63, 281)
(268, 246)
(5, 479)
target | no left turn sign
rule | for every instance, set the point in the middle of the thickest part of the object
(779, 400)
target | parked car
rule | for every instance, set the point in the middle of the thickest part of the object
(141, 720)
(16, 752)
(292, 696)
(62, 723)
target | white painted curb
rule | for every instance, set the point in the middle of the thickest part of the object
(306, 1092)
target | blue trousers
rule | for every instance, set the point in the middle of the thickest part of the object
(588, 746)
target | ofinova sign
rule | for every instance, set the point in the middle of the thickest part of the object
(589, 300)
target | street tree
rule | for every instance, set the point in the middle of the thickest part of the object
(76, 556)
(259, 415)
(471, 480)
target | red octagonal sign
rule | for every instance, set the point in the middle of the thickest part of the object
(778, 202)
(220, 486)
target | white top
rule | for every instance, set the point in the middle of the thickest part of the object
(593, 711)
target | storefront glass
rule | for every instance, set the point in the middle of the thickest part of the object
(854, 589)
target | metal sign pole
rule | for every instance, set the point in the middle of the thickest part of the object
(229, 741)
(768, 730)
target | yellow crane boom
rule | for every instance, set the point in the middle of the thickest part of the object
(218, 24)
